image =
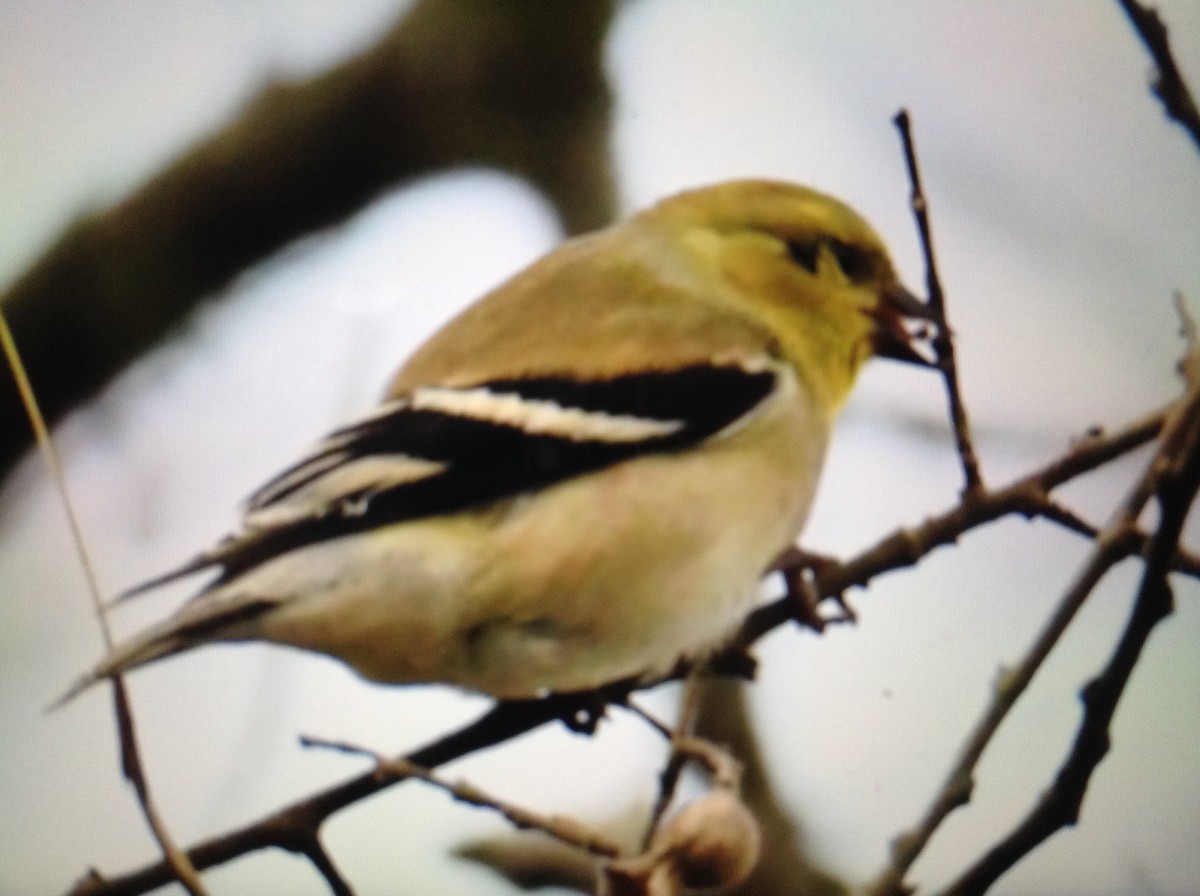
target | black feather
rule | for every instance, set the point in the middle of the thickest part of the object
(486, 461)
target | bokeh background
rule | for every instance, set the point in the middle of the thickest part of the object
(1066, 211)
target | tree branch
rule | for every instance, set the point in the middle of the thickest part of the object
(515, 86)
(131, 760)
(293, 826)
(1028, 496)
(1169, 85)
(943, 338)
(563, 829)
(1173, 478)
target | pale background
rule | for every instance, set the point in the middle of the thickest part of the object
(1066, 210)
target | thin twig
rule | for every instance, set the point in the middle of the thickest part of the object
(1173, 477)
(323, 863)
(668, 783)
(1027, 496)
(54, 465)
(134, 772)
(505, 721)
(561, 828)
(943, 338)
(725, 771)
(650, 719)
(131, 762)
(668, 779)
(1117, 540)
(1111, 547)
(293, 827)
(1169, 86)
(1184, 562)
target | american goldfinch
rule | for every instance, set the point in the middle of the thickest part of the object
(582, 477)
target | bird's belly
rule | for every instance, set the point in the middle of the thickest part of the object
(663, 562)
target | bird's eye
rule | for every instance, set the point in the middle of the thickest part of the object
(804, 254)
(854, 262)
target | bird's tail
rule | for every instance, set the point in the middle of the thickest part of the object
(202, 620)
(195, 565)
(156, 643)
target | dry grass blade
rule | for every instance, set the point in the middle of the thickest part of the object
(131, 763)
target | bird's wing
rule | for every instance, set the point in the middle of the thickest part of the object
(442, 450)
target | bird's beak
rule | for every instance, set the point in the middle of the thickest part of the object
(898, 310)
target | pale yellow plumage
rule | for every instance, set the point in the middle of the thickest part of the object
(655, 400)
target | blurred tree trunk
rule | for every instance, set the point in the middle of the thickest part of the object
(515, 86)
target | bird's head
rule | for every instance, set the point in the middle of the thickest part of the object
(808, 264)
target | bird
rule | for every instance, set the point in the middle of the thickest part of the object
(583, 477)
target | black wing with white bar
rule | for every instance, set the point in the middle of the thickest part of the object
(442, 450)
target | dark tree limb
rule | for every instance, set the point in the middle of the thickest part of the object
(1169, 85)
(294, 827)
(515, 86)
(1172, 478)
